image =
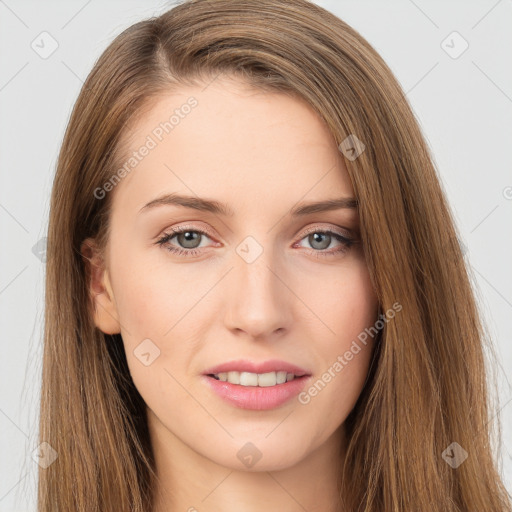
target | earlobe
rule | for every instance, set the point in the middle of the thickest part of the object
(100, 289)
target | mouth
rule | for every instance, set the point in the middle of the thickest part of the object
(261, 380)
(257, 386)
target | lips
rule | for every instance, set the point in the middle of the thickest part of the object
(256, 386)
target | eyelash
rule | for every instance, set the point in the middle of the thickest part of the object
(163, 241)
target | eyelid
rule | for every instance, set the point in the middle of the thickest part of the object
(199, 228)
(343, 232)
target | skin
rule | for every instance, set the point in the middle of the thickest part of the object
(260, 154)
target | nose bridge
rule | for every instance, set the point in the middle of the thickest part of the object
(257, 298)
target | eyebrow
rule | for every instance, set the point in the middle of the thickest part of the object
(210, 205)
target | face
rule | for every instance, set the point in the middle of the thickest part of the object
(251, 279)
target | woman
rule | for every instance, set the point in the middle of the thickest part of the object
(255, 291)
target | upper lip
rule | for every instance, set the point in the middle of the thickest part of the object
(243, 365)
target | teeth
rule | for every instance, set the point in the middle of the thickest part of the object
(233, 377)
(248, 379)
(281, 377)
(255, 379)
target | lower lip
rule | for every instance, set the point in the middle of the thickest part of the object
(255, 397)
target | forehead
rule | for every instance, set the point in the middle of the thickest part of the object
(230, 141)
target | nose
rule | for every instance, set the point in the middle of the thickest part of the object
(259, 303)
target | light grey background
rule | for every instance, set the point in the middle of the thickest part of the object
(463, 104)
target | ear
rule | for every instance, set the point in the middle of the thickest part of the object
(100, 289)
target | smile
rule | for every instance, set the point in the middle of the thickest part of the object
(254, 379)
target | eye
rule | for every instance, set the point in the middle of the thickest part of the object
(321, 239)
(187, 237)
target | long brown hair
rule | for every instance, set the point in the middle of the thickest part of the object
(428, 385)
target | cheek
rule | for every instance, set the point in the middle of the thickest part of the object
(349, 308)
(157, 303)
(149, 297)
(345, 303)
